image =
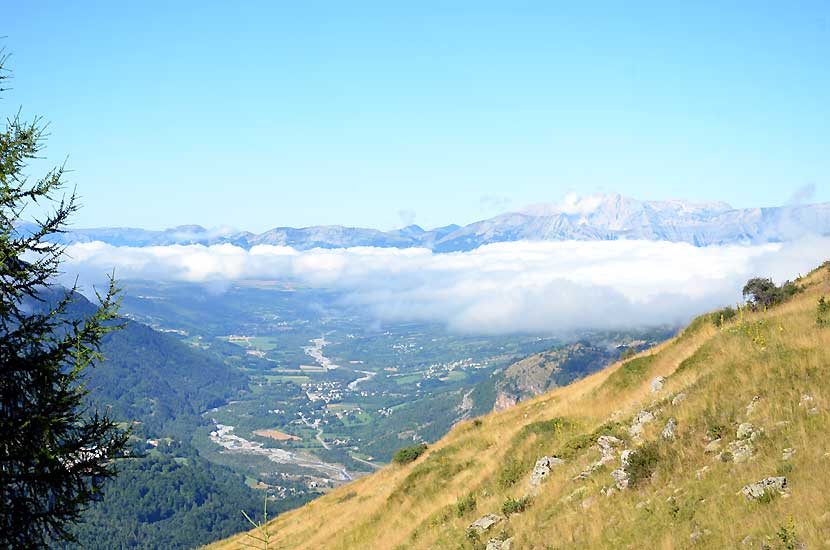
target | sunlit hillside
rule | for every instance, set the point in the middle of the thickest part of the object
(724, 405)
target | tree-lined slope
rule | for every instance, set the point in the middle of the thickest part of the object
(665, 450)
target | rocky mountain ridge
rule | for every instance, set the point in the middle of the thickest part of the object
(599, 217)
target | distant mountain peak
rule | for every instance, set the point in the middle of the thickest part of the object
(600, 216)
(412, 229)
(188, 228)
(576, 205)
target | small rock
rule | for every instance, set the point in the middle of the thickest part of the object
(713, 446)
(625, 456)
(608, 491)
(608, 442)
(668, 432)
(542, 469)
(679, 398)
(607, 447)
(644, 417)
(657, 384)
(788, 453)
(635, 430)
(808, 402)
(697, 535)
(700, 473)
(497, 544)
(758, 489)
(747, 540)
(484, 523)
(620, 477)
(642, 504)
(745, 431)
(741, 451)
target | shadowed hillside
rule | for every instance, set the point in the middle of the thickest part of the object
(714, 439)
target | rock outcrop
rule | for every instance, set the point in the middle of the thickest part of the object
(657, 384)
(541, 471)
(757, 490)
(484, 523)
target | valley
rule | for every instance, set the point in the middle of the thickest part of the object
(344, 390)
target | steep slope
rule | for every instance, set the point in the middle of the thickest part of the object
(661, 451)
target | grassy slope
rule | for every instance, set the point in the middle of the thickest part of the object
(778, 355)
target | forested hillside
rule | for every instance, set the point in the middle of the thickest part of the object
(166, 496)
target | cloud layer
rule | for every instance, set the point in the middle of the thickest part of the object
(499, 288)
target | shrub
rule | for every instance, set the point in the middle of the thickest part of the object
(477, 422)
(716, 431)
(515, 506)
(642, 463)
(409, 454)
(465, 504)
(786, 534)
(823, 312)
(762, 292)
(511, 473)
(723, 316)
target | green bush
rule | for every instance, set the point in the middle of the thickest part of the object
(762, 293)
(511, 473)
(723, 316)
(409, 454)
(786, 534)
(642, 463)
(716, 431)
(465, 504)
(515, 506)
(823, 312)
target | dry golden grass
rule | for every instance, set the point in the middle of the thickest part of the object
(779, 355)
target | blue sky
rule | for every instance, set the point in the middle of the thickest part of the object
(377, 114)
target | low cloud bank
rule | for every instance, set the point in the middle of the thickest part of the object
(498, 288)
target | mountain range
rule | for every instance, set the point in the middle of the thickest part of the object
(598, 217)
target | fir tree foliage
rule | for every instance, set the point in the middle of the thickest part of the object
(54, 451)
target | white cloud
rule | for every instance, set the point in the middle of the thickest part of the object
(572, 203)
(499, 288)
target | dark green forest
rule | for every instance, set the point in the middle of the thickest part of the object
(170, 498)
(163, 497)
